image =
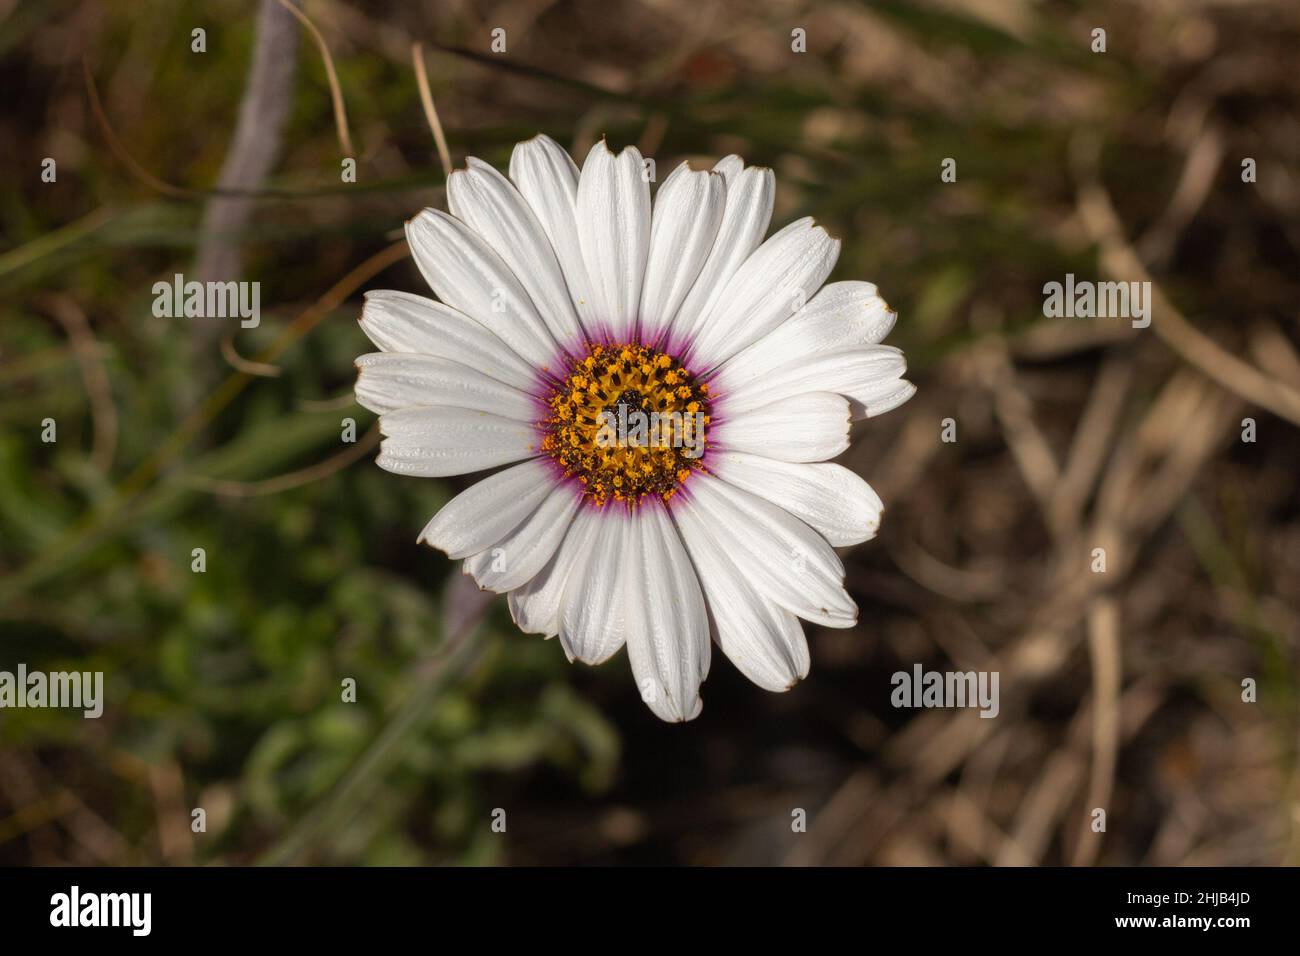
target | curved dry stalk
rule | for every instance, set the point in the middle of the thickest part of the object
(430, 111)
(90, 360)
(1120, 260)
(294, 479)
(133, 166)
(1014, 409)
(337, 403)
(331, 76)
(1087, 453)
(115, 145)
(1104, 654)
(241, 364)
(1194, 185)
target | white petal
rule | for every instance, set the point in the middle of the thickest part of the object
(392, 380)
(833, 500)
(667, 630)
(467, 275)
(879, 397)
(548, 179)
(488, 510)
(748, 212)
(785, 559)
(591, 610)
(517, 558)
(614, 231)
(687, 210)
(535, 606)
(401, 322)
(777, 279)
(435, 442)
(813, 426)
(859, 373)
(730, 167)
(842, 315)
(489, 204)
(763, 639)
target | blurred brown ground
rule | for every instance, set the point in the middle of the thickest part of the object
(1120, 690)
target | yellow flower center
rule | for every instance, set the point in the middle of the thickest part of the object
(627, 421)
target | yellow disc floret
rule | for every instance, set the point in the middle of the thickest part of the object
(627, 421)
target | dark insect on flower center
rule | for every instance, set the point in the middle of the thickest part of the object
(627, 421)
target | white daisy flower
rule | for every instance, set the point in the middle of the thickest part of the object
(662, 390)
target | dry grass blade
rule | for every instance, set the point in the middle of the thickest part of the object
(294, 479)
(90, 360)
(241, 364)
(430, 110)
(1120, 260)
(1104, 652)
(331, 75)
